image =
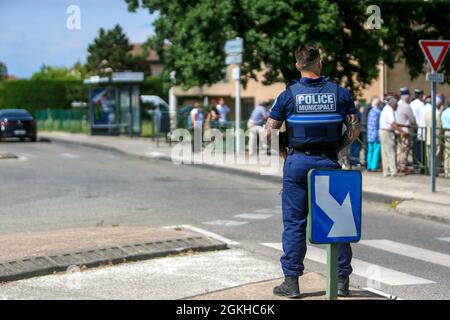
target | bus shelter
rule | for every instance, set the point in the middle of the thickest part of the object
(114, 104)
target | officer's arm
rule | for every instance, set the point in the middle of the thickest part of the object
(351, 121)
(273, 125)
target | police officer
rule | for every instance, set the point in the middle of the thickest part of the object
(315, 110)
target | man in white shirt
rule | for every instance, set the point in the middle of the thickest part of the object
(196, 121)
(417, 106)
(404, 96)
(418, 103)
(387, 137)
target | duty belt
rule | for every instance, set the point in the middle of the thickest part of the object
(318, 153)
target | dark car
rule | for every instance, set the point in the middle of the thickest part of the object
(17, 123)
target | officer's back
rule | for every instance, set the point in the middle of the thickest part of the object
(315, 111)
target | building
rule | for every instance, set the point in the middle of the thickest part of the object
(155, 65)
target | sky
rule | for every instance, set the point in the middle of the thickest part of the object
(35, 32)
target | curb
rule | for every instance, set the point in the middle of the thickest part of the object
(411, 208)
(368, 195)
(46, 265)
(8, 155)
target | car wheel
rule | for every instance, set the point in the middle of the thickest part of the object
(33, 139)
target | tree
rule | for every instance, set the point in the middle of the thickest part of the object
(190, 36)
(77, 72)
(3, 71)
(111, 51)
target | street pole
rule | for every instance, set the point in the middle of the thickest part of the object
(238, 110)
(332, 270)
(433, 136)
(172, 103)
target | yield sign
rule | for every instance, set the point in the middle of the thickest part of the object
(435, 51)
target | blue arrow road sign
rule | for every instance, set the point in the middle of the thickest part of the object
(335, 201)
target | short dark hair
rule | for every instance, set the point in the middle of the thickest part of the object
(307, 55)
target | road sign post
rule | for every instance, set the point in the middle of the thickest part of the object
(433, 137)
(335, 203)
(238, 108)
(234, 49)
(332, 271)
(435, 52)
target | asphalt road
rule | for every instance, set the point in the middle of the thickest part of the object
(54, 186)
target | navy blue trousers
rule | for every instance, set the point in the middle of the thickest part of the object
(294, 202)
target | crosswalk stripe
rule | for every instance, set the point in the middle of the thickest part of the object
(154, 154)
(225, 223)
(364, 269)
(409, 251)
(206, 233)
(446, 239)
(253, 216)
(69, 155)
(268, 211)
(28, 155)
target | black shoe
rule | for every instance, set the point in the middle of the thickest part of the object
(289, 288)
(343, 286)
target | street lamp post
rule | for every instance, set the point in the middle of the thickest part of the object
(172, 103)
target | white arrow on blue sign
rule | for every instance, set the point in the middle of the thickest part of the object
(335, 198)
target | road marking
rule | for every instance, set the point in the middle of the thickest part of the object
(225, 223)
(409, 251)
(268, 211)
(28, 155)
(69, 155)
(154, 154)
(205, 233)
(446, 239)
(383, 294)
(253, 216)
(22, 158)
(373, 272)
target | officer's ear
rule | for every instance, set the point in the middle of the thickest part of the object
(320, 65)
(297, 65)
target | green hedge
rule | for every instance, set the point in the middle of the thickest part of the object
(36, 94)
(41, 94)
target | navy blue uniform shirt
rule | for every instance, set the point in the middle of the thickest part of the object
(284, 105)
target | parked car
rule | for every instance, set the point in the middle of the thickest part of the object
(17, 123)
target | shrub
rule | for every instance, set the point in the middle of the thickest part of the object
(41, 94)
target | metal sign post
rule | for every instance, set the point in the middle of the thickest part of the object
(433, 136)
(237, 77)
(172, 103)
(435, 52)
(234, 49)
(332, 271)
(335, 203)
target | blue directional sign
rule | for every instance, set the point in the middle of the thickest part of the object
(335, 201)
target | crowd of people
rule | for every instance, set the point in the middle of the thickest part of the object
(398, 133)
(217, 118)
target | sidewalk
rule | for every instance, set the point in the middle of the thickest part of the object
(225, 274)
(312, 287)
(409, 195)
(31, 254)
